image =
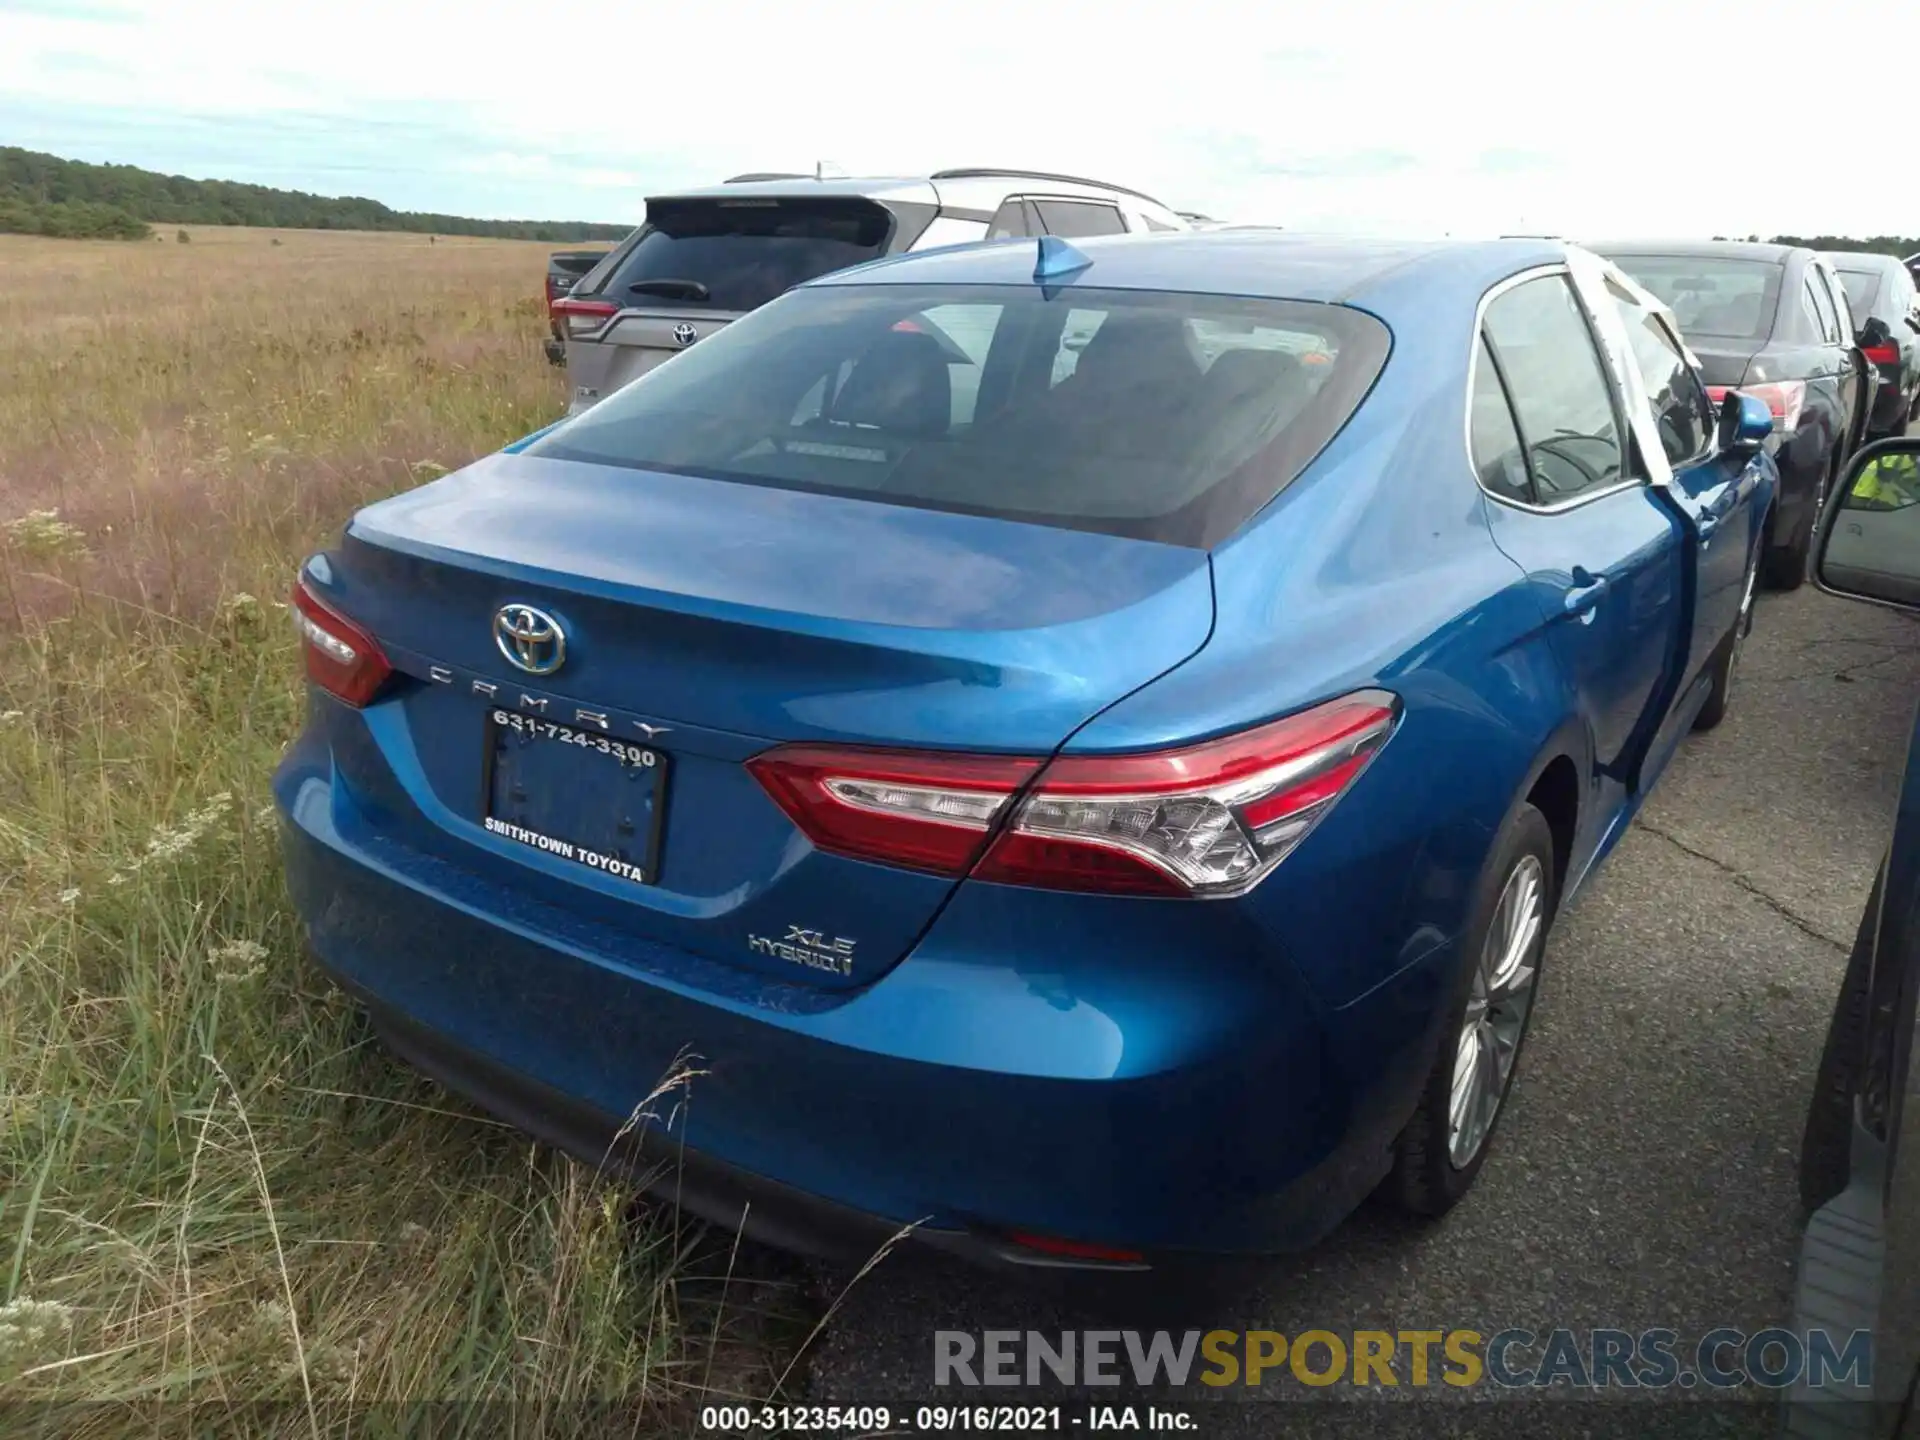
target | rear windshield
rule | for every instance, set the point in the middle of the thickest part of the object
(1711, 295)
(1160, 416)
(1863, 287)
(738, 254)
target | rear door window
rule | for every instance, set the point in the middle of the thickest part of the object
(1079, 217)
(1168, 417)
(1561, 397)
(738, 254)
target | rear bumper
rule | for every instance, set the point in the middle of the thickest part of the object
(829, 1120)
(1890, 408)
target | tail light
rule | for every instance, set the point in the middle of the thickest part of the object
(342, 659)
(1784, 398)
(1717, 394)
(1205, 820)
(583, 317)
(1883, 354)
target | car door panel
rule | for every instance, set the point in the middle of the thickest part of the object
(1609, 577)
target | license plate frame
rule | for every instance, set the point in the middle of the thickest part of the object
(511, 738)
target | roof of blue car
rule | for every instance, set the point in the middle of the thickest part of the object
(1221, 262)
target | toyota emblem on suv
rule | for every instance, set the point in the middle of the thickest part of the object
(685, 334)
(531, 639)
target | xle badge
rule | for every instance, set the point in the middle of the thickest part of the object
(812, 948)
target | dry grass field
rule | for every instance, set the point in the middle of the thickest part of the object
(214, 1189)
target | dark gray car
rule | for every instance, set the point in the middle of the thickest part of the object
(706, 257)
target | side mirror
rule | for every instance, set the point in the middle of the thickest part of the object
(1874, 333)
(1869, 545)
(1745, 423)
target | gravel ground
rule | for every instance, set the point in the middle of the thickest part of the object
(1644, 1174)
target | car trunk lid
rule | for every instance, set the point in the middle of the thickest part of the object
(707, 620)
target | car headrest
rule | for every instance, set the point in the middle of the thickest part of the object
(900, 385)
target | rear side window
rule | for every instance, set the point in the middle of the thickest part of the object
(739, 254)
(1168, 417)
(1011, 221)
(1075, 217)
(1712, 295)
(1561, 398)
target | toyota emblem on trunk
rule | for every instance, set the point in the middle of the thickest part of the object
(531, 639)
(684, 334)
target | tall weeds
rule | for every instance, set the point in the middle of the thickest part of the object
(215, 1191)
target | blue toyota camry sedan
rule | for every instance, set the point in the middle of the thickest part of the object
(1073, 750)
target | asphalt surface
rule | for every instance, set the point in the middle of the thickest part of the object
(1644, 1173)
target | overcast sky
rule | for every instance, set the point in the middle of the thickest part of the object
(1681, 117)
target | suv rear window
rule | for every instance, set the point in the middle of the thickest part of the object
(1711, 295)
(1168, 417)
(738, 254)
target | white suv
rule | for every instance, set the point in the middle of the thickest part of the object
(705, 257)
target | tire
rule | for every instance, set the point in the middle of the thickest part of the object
(1726, 660)
(1826, 1146)
(1784, 567)
(1435, 1162)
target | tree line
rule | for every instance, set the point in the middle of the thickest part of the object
(46, 195)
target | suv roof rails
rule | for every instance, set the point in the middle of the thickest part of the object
(753, 175)
(989, 172)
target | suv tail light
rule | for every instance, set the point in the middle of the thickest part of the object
(1205, 820)
(1784, 398)
(1888, 354)
(583, 317)
(342, 659)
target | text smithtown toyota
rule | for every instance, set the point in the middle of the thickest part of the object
(1080, 746)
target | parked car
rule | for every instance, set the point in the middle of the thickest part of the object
(705, 257)
(564, 268)
(1772, 321)
(1088, 804)
(1886, 302)
(1860, 1157)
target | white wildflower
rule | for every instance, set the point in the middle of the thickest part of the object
(69, 896)
(43, 534)
(171, 842)
(118, 877)
(237, 961)
(27, 1325)
(240, 603)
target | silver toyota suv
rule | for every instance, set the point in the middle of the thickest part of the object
(705, 257)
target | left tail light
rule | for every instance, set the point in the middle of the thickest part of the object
(342, 659)
(1888, 354)
(583, 317)
(1204, 820)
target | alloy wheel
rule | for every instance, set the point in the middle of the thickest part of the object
(1497, 1010)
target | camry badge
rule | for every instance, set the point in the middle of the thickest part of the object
(531, 639)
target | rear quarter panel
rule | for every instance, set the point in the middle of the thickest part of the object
(1377, 567)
